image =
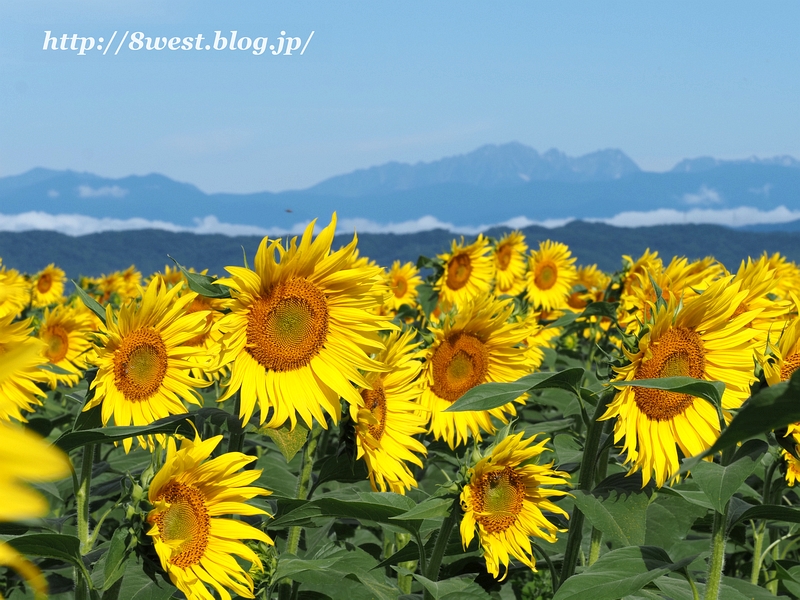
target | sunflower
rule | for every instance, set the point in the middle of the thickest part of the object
(787, 275)
(510, 264)
(591, 284)
(758, 278)
(475, 345)
(537, 339)
(48, 286)
(15, 293)
(129, 282)
(390, 417)
(25, 457)
(170, 275)
(699, 340)
(144, 364)
(21, 356)
(403, 282)
(209, 340)
(301, 329)
(189, 495)
(551, 275)
(65, 332)
(468, 271)
(506, 497)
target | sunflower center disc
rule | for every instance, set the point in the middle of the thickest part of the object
(458, 271)
(140, 364)
(375, 402)
(459, 363)
(499, 496)
(503, 257)
(679, 352)
(546, 275)
(57, 344)
(185, 524)
(400, 287)
(790, 365)
(45, 283)
(289, 326)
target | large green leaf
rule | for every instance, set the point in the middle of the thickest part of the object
(432, 508)
(595, 309)
(104, 435)
(619, 573)
(679, 589)
(719, 483)
(454, 588)
(708, 390)
(669, 519)
(771, 512)
(114, 566)
(137, 585)
(91, 303)
(203, 284)
(621, 518)
(491, 395)
(767, 410)
(50, 545)
(289, 441)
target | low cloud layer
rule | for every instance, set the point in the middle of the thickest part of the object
(76, 225)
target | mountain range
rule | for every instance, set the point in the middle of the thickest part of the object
(494, 184)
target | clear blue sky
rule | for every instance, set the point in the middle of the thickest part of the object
(383, 81)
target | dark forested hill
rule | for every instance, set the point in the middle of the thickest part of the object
(590, 242)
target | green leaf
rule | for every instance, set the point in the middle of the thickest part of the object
(623, 519)
(343, 468)
(767, 410)
(432, 508)
(115, 558)
(454, 588)
(50, 545)
(679, 589)
(793, 582)
(491, 395)
(203, 284)
(137, 585)
(104, 435)
(289, 441)
(708, 390)
(567, 449)
(595, 309)
(719, 483)
(619, 573)
(90, 303)
(428, 298)
(669, 519)
(770, 512)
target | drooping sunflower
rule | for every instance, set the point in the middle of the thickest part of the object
(15, 293)
(390, 417)
(301, 329)
(403, 282)
(505, 500)
(551, 275)
(21, 358)
(699, 340)
(474, 345)
(510, 264)
(468, 271)
(48, 286)
(144, 364)
(65, 332)
(189, 495)
(25, 457)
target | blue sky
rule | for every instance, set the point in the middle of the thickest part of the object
(382, 81)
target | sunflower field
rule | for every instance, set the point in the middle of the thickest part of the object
(495, 422)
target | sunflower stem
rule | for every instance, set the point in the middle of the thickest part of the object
(439, 549)
(597, 535)
(236, 439)
(303, 487)
(82, 499)
(585, 484)
(718, 540)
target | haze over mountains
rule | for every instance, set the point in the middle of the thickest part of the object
(508, 184)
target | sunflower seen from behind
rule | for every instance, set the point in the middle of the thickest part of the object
(145, 359)
(48, 286)
(468, 272)
(390, 417)
(473, 345)
(551, 275)
(190, 495)
(510, 264)
(505, 500)
(301, 329)
(701, 340)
